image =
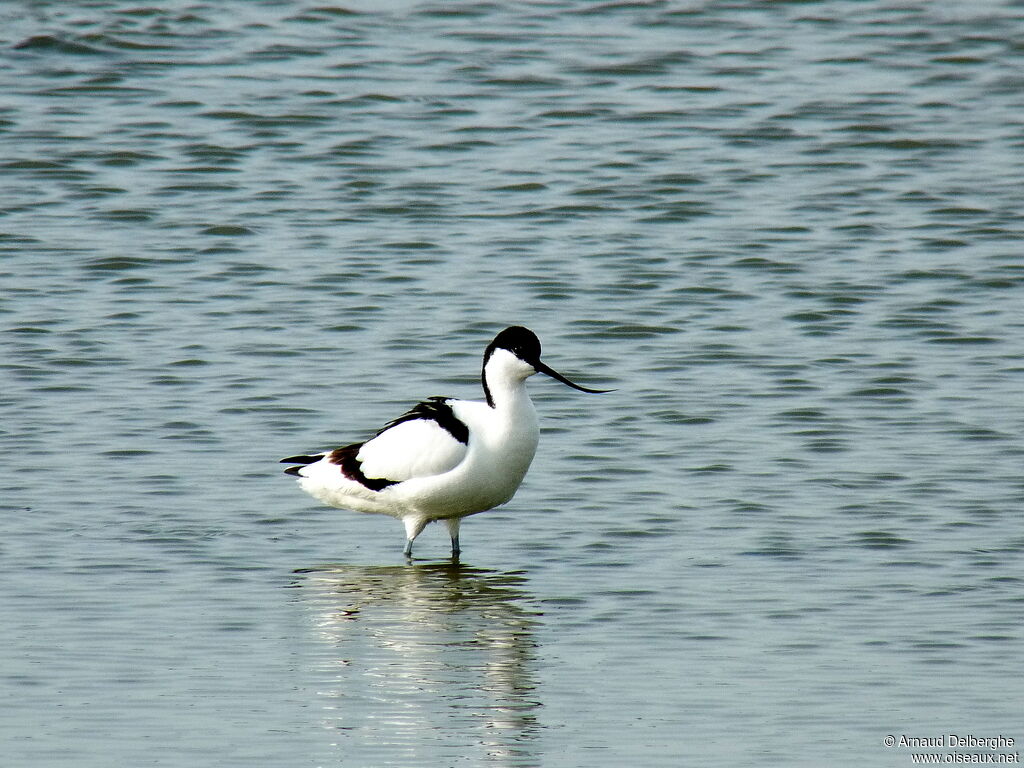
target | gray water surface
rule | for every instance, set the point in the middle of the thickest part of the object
(788, 234)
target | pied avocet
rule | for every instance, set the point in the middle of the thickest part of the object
(446, 458)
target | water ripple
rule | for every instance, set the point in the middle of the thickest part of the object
(787, 236)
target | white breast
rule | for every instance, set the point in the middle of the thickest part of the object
(502, 444)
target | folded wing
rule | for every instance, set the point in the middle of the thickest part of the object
(427, 440)
(417, 447)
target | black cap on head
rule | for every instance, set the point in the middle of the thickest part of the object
(524, 344)
(521, 342)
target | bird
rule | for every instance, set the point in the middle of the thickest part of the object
(444, 458)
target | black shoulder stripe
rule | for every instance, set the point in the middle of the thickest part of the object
(435, 409)
(350, 467)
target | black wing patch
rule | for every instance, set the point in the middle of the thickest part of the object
(350, 466)
(434, 409)
(302, 460)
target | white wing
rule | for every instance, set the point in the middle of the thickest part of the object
(413, 448)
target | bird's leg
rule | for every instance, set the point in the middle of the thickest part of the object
(453, 531)
(413, 527)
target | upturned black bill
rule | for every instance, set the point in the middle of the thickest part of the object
(542, 368)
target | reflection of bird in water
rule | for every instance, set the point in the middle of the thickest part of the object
(446, 458)
(425, 658)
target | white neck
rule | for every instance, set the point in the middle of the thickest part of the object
(505, 378)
